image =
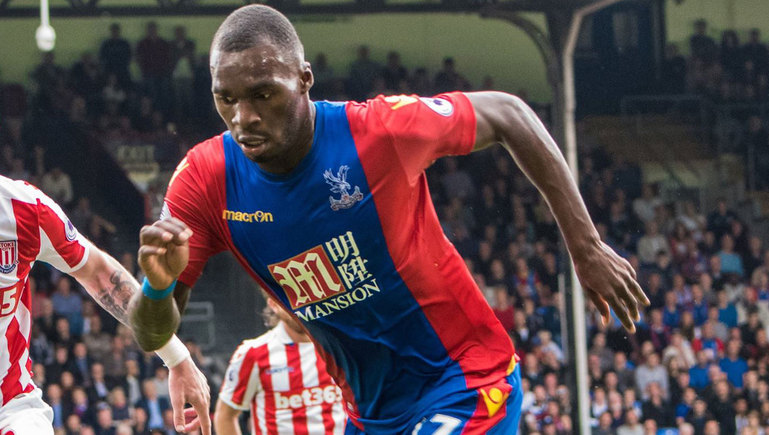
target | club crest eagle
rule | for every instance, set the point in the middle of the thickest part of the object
(340, 185)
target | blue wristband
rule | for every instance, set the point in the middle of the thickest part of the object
(157, 294)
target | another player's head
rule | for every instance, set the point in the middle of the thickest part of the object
(261, 84)
(283, 315)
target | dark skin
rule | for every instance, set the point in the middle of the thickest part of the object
(262, 94)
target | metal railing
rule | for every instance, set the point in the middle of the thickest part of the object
(689, 109)
(198, 324)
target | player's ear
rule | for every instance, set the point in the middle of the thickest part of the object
(307, 78)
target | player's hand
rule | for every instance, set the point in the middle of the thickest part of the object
(164, 251)
(187, 384)
(609, 281)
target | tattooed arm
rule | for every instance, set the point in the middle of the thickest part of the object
(113, 288)
(108, 283)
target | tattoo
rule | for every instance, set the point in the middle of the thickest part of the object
(115, 299)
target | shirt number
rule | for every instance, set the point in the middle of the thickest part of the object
(10, 298)
(447, 425)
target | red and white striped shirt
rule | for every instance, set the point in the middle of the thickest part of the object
(32, 227)
(285, 385)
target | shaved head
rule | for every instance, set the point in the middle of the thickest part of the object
(252, 25)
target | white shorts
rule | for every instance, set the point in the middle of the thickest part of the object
(26, 414)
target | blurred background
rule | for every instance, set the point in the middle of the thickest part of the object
(671, 144)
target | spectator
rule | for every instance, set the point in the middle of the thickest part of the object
(720, 220)
(73, 425)
(97, 341)
(40, 348)
(727, 311)
(54, 400)
(420, 82)
(708, 341)
(85, 78)
(99, 388)
(604, 425)
(140, 421)
(685, 406)
(81, 363)
(658, 333)
(115, 57)
(722, 408)
(731, 55)
(503, 309)
(121, 411)
(755, 255)
(645, 206)
(48, 75)
(733, 365)
(57, 185)
(161, 382)
(394, 74)
(656, 407)
(702, 46)
(448, 79)
(699, 306)
(720, 330)
(155, 59)
(153, 406)
(183, 53)
(81, 407)
(456, 182)
(547, 346)
(598, 347)
(730, 261)
(670, 312)
(363, 73)
(104, 423)
(699, 416)
(631, 425)
(114, 360)
(651, 371)
(18, 172)
(652, 243)
(756, 52)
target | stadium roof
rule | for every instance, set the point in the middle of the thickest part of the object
(85, 8)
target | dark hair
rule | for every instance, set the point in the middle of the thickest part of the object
(249, 25)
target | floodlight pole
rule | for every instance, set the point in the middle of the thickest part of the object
(557, 50)
(579, 337)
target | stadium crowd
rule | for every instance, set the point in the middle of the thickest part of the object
(699, 363)
(733, 76)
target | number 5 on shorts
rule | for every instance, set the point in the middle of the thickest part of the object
(446, 422)
(10, 297)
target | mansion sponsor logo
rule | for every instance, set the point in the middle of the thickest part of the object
(327, 278)
(312, 396)
(240, 216)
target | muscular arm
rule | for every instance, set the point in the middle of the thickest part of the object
(153, 321)
(226, 419)
(113, 287)
(506, 119)
(163, 255)
(608, 280)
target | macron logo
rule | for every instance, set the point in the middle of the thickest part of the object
(239, 216)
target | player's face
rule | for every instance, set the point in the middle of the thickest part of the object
(261, 93)
(285, 317)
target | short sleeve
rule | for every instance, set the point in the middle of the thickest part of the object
(241, 381)
(421, 129)
(61, 245)
(187, 201)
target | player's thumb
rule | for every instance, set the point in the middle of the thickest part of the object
(177, 403)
